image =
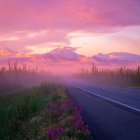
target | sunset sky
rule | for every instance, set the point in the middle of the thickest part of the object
(91, 26)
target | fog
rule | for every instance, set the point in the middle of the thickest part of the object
(15, 75)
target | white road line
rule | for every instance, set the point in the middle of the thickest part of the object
(127, 106)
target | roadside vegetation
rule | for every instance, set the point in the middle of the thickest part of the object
(41, 113)
(112, 76)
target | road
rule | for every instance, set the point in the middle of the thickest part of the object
(112, 113)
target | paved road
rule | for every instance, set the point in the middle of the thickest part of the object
(111, 113)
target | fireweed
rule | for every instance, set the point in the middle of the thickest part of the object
(41, 113)
(70, 123)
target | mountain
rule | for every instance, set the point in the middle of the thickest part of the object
(68, 55)
(120, 58)
(65, 53)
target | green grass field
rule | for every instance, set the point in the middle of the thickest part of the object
(40, 113)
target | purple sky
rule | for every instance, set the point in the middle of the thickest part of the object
(92, 26)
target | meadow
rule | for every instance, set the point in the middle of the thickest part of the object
(121, 76)
(40, 112)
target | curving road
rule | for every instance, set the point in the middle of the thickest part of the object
(112, 113)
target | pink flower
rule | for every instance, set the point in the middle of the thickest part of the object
(53, 105)
(70, 102)
(55, 132)
(64, 106)
(85, 129)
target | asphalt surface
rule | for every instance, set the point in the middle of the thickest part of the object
(112, 113)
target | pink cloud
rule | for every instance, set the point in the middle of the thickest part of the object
(34, 22)
(66, 14)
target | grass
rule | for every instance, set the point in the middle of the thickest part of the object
(41, 113)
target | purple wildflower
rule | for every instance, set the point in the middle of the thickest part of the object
(64, 106)
(70, 102)
(85, 129)
(53, 105)
(55, 132)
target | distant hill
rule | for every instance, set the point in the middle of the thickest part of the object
(65, 54)
(119, 56)
(115, 58)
